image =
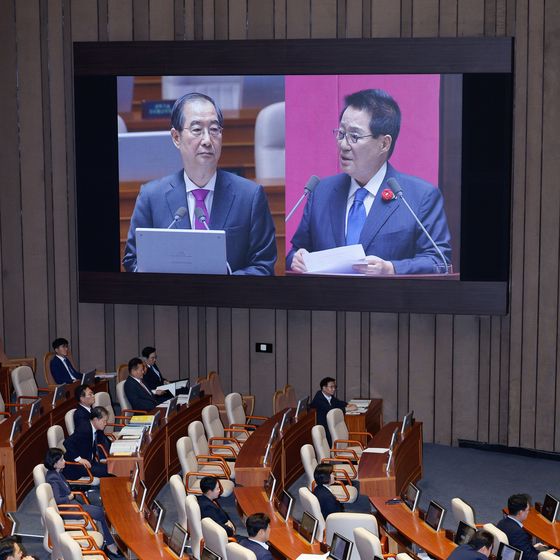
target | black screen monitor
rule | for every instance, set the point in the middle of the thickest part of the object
(341, 548)
(410, 496)
(549, 508)
(285, 419)
(16, 428)
(308, 527)
(508, 552)
(194, 392)
(58, 394)
(434, 515)
(34, 410)
(178, 540)
(88, 378)
(301, 406)
(407, 422)
(464, 533)
(155, 516)
(284, 505)
(171, 406)
(207, 554)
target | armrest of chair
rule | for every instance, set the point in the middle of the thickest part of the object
(91, 547)
(242, 427)
(13, 405)
(87, 520)
(134, 411)
(214, 461)
(27, 397)
(82, 495)
(236, 431)
(251, 417)
(229, 448)
(353, 442)
(248, 403)
(225, 438)
(87, 473)
(95, 553)
(125, 420)
(342, 475)
(345, 490)
(104, 452)
(4, 414)
(342, 461)
(343, 451)
(199, 474)
(44, 389)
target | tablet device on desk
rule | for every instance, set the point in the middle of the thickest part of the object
(341, 548)
(284, 505)
(549, 508)
(285, 419)
(88, 378)
(464, 533)
(58, 394)
(16, 428)
(171, 407)
(407, 422)
(508, 552)
(141, 495)
(207, 554)
(394, 439)
(410, 496)
(434, 515)
(270, 486)
(308, 527)
(301, 406)
(34, 410)
(194, 392)
(178, 540)
(154, 516)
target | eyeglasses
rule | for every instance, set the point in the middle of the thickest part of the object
(215, 131)
(351, 137)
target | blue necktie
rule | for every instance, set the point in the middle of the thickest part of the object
(356, 218)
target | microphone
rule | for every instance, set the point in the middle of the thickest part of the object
(397, 191)
(307, 190)
(179, 214)
(199, 215)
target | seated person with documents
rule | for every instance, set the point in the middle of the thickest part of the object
(258, 529)
(54, 462)
(324, 477)
(86, 397)
(153, 377)
(138, 394)
(478, 548)
(209, 507)
(358, 207)
(222, 200)
(82, 446)
(62, 369)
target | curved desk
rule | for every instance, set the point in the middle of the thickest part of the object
(542, 528)
(407, 462)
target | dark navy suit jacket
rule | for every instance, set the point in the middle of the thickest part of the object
(466, 552)
(519, 538)
(80, 444)
(390, 231)
(81, 416)
(138, 397)
(239, 207)
(151, 378)
(209, 509)
(322, 406)
(329, 504)
(260, 551)
(60, 373)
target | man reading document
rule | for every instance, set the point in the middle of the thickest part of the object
(227, 201)
(358, 207)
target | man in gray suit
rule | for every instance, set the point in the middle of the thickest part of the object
(228, 202)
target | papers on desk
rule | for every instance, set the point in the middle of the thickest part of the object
(127, 447)
(312, 556)
(375, 450)
(338, 260)
(172, 387)
(361, 404)
(183, 399)
(106, 375)
(131, 432)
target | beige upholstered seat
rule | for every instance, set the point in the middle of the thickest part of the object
(546, 555)
(237, 417)
(367, 544)
(325, 455)
(344, 524)
(270, 141)
(462, 511)
(39, 474)
(341, 436)
(126, 408)
(15, 362)
(193, 470)
(71, 550)
(310, 504)
(194, 524)
(217, 434)
(24, 384)
(498, 534)
(403, 556)
(290, 396)
(213, 386)
(237, 552)
(215, 537)
(179, 494)
(102, 398)
(69, 421)
(204, 451)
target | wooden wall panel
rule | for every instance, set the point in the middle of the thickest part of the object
(298, 15)
(323, 351)
(351, 16)
(443, 380)
(448, 18)
(260, 20)
(299, 352)
(323, 19)
(166, 341)
(385, 18)
(120, 20)
(425, 18)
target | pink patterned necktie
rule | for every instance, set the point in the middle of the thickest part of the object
(200, 195)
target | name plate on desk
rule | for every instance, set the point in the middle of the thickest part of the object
(157, 109)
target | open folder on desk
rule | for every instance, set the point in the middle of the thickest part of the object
(174, 387)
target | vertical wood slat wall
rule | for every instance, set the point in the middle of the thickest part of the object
(484, 378)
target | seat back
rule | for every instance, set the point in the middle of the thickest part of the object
(45, 499)
(498, 534)
(69, 421)
(547, 555)
(186, 455)
(215, 537)
(234, 409)
(69, 548)
(47, 359)
(198, 438)
(179, 495)
(270, 141)
(211, 420)
(215, 388)
(122, 372)
(344, 524)
(320, 443)
(290, 397)
(337, 426)
(54, 528)
(194, 524)
(237, 552)
(310, 504)
(367, 544)
(462, 511)
(55, 437)
(24, 382)
(309, 461)
(104, 399)
(277, 401)
(121, 396)
(39, 474)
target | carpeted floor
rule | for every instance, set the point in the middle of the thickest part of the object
(483, 479)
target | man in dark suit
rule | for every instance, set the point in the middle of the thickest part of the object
(228, 202)
(356, 207)
(324, 400)
(61, 367)
(82, 446)
(512, 525)
(324, 477)
(153, 377)
(258, 529)
(86, 397)
(478, 548)
(209, 507)
(138, 394)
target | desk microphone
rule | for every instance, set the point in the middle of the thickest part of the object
(179, 214)
(397, 191)
(199, 215)
(307, 190)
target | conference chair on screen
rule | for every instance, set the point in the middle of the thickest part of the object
(194, 470)
(326, 455)
(367, 544)
(236, 415)
(194, 524)
(121, 125)
(215, 537)
(344, 524)
(126, 409)
(341, 436)
(203, 450)
(498, 534)
(462, 512)
(71, 550)
(25, 385)
(179, 496)
(237, 552)
(216, 432)
(342, 489)
(310, 504)
(15, 362)
(270, 142)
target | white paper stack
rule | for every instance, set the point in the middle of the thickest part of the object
(127, 447)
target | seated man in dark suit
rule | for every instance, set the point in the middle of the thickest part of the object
(85, 396)
(153, 377)
(81, 446)
(209, 506)
(478, 548)
(138, 394)
(324, 400)
(62, 369)
(258, 529)
(324, 477)
(512, 525)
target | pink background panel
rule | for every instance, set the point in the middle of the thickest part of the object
(313, 105)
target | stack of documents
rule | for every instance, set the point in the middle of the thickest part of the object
(131, 432)
(125, 448)
(361, 404)
(173, 387)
